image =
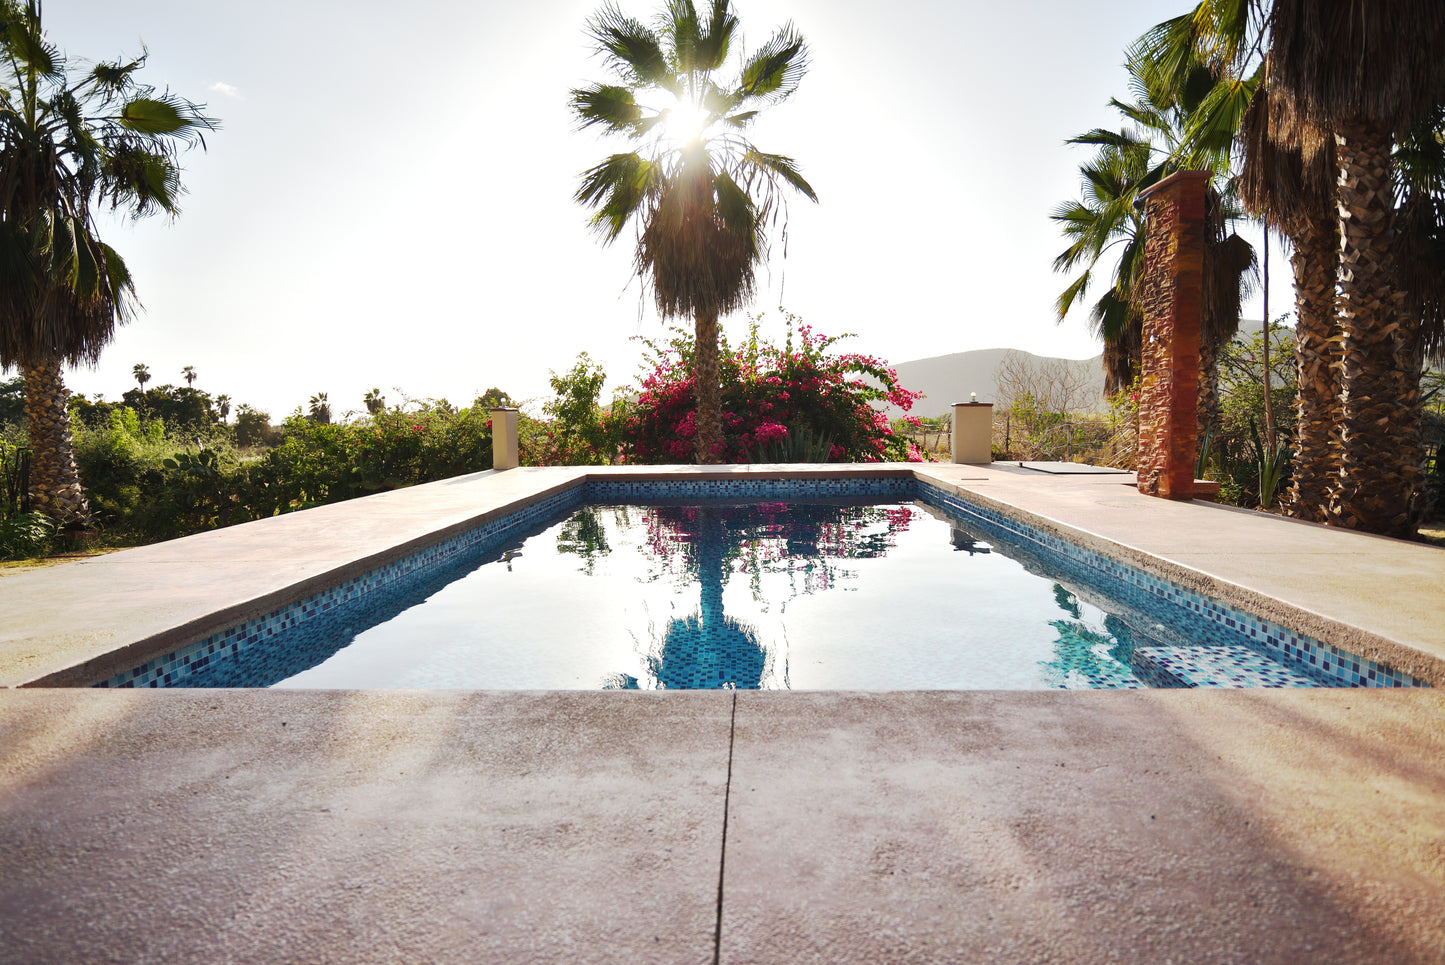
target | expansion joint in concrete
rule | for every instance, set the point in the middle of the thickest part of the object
(723, 856)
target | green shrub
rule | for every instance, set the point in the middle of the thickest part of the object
(25, 535)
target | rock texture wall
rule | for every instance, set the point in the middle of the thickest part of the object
(1169, 363)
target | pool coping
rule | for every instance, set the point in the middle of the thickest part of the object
(88, 620)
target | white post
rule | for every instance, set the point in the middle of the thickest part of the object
(973, 432)
(504, 439)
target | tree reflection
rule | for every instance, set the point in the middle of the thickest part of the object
(708, 544)
(1084, 656)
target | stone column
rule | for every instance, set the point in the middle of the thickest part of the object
(504, 439)
(1172, 301)
(973, 432)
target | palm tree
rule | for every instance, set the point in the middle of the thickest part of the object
(1360, 74)
(375, 401)
(1288, 180)
(223, 406)
(1108, 215)
(142, 374)
(67, 143)
(320, 409)
(699, 193)
(189, 374)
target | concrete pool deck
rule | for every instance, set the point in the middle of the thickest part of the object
(1261, 826)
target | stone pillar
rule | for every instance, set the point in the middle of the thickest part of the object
(1172, 302)
(973, 432)
(504, 439)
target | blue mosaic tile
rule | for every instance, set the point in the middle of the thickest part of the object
(883, 487)
(280, 643)
(1191, 616)
(254, 644)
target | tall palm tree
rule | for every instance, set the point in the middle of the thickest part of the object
(1368, 72)
(67, 143)
(1108, 215)
(319, 409)
(1362, 75)
(142, 373)
(189, 374)
(1288, 180)
(700, 195)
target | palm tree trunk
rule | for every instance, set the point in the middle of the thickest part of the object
(1376, 486)
(54, 480)
(1207, 417)
(1317, 356)
(707, 388)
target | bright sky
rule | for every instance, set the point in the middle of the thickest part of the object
(389, 201)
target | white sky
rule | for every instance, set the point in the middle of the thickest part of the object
(389, 201)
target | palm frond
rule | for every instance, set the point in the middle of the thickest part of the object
(609, 105)
(114, 78)
(1370, 63)
(631, 48)
(783, 167)
(617, 188)
(24, 42)
(1163, 56)
(164, 116)
(1210, 129)
(1101, 137)
(773, 71)
(716, 37)
(1076, 290)
(142, 180)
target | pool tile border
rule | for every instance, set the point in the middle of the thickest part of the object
(1322, 659)
(1351, 670)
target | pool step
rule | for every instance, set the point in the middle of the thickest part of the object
(1215, 666)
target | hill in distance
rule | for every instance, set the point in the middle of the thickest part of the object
(946, 379)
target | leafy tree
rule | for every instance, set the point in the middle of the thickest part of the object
(495, 398)
(698, 192)
(12, 400)
(253, 428)
(186, 409)
(142, 374)
(579, 430)
(68, 142)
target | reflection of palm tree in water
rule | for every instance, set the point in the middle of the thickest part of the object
(709, 650)
(1083, 653)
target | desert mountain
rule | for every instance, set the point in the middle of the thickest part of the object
(946, 379)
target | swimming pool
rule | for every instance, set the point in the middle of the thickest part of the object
(927, 585)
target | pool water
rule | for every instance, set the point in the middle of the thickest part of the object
(803, 594)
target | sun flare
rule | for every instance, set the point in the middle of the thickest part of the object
(685, 121)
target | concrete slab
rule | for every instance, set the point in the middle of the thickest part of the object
(351, 827)
(1071, 469)
(1160, 826)
(272, 826)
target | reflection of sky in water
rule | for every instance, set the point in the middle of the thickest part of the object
(804, 595)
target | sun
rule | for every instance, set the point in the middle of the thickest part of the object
(685, 120)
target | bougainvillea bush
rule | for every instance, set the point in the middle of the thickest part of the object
(798, 402)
